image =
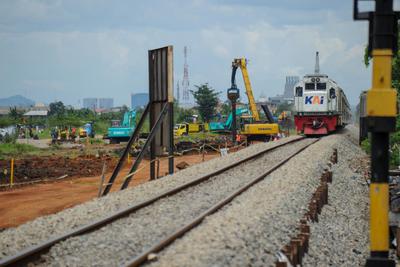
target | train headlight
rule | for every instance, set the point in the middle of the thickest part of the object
(317, 80)
(313, 80)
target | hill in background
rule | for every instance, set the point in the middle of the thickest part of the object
(16, 101)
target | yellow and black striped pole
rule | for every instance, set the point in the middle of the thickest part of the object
(381, 120)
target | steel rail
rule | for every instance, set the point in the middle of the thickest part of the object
(143, 257)
(33, 253)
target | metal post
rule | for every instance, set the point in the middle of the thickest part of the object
(171, 139)
(103, 172)
(233, 95)
(121, 161)
(379, 194)
(158, 168)
(150, 138)
(381, 120)
(234, 132)
(12, 173)
(152, 144)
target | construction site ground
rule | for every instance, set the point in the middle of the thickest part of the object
(21, 204)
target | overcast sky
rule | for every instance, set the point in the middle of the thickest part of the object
(67, 50)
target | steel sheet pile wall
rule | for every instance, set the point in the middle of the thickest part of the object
(161, 94)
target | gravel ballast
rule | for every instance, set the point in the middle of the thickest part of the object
(15, 239)
(247, 232)
(340, 238)
(130, 236)
(261, 221)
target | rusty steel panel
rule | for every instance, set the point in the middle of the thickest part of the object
(161, 75)
(161, 92)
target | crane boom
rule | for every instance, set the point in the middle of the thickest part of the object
(242, 63)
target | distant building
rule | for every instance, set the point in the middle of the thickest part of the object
(289, 86)
(276, 100)
(288, 93)
(4, 111)
(116, 109)
(106, 103)
(40, 106)
(36, 113)
(90, 103)
(139, 100)
(38, 110)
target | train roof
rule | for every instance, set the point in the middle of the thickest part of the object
(316, 75)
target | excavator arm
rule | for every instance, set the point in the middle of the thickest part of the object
(242, 64)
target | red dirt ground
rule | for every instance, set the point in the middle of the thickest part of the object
(51, 167)
(20, 205)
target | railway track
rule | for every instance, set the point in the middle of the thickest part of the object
(128, 225)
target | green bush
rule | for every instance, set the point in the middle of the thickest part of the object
(394, 160)
(395, 149)
(15, 149)
(366, 146)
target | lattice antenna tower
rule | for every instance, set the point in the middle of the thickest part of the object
(178, 93)
(185, 81)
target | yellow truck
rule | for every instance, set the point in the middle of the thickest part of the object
(187, 128)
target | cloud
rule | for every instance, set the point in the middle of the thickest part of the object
(94, 48)
(277, 51)
(44, 85)
(29, 10)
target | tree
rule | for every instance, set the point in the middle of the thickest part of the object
(206, 99)
(283, 107)
(226, 108)
(57, 109)
(14, 113)
(184, 114)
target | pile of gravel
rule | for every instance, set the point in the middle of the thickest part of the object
(127, 237)
(14, 239)
(258, 223)
(341, 235)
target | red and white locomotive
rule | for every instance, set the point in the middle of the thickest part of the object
(320, 105)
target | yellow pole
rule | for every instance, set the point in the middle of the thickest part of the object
(12, 172)
(129, 158)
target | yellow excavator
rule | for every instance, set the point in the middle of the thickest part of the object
(251, 126)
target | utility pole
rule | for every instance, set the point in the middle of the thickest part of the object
(381, 120)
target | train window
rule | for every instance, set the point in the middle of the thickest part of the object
(299, 91)
(332, 93)
(310, 86)
(321, 86)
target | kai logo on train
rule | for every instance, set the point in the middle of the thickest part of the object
(314, 99)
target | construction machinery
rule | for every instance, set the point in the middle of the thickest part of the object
(87, 130)
(251, 126)
(225, 127)
(186, 128)
(121, 132)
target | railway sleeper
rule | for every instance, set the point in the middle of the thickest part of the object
(298, 245)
